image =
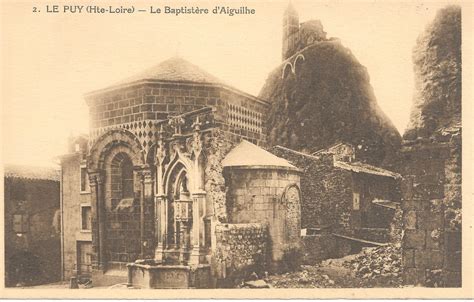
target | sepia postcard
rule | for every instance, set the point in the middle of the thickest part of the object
(168, 149)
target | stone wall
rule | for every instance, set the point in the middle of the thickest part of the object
(432, 213)
(217, 145)
(326, 191)
(323, 246)
(235, 112)
(431, 157)
(241, 250)
(123, 235)
(148, 102)
(260, 194)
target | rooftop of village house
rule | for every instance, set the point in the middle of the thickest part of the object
(356, 166)
(31, 172)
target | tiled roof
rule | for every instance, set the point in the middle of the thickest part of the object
(31, 172)
(248, 154)
(175, 69)
(359, 167)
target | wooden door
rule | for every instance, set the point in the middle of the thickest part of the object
(84, 263)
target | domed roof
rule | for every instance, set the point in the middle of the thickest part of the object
(247, 154)
(175, 69)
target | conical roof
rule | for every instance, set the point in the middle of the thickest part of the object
(175, 69)
(247, 154)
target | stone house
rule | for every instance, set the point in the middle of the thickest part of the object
(346, 203)
(157, 192)
(31, 224)
(76, 219)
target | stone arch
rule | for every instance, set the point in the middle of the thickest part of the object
(298, 61)
(178, 176)
(114, 141)
(286, 71)
(291, 200)
(175, 167)
(121, 180)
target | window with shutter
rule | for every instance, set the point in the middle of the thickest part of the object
(20, 223)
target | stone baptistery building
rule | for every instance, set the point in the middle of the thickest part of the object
(174, 188)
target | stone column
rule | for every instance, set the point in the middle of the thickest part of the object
(94, 220)
(197, 235)
(142, 215)
(145, 197)
(98, 220)
(161, 214)
(161, 206)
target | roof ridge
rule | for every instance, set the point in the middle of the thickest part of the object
(173, 69)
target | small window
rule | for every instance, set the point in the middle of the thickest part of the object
(356, 201)
(86, 218)
(20, 223)
(84, 180)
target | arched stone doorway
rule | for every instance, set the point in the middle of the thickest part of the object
(180, 213)
(121, 200)
(180, 204)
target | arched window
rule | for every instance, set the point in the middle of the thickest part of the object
(121, 179)
(127, 178)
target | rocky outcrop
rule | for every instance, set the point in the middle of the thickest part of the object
(322, 95)
(438, 78)
(432, 159)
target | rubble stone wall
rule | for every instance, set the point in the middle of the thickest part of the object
(326, 191)
(241, 250)
(318, 247)
(216, 146)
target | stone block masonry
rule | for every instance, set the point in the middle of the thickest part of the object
(149, 102)
(261, 195)
(431, 206)
(235, 112)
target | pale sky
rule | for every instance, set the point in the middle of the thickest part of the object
(49, 61)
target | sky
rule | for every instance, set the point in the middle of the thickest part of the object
(49, 61)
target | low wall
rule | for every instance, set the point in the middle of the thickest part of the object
(324, 246)
(241, 250)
